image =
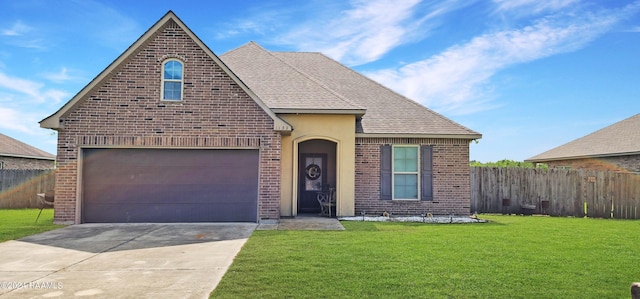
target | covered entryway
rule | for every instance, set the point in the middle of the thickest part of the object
(316, 172)
(169, 185)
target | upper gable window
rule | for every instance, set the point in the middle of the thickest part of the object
(172, 80)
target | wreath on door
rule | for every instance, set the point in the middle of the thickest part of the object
(313, 172)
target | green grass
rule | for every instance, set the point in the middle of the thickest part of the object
(511, 257)
(18, 223)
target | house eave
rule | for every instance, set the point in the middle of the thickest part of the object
(357, 112)
(405, 135)
(607, 155)
(26, 157)
(281, 126)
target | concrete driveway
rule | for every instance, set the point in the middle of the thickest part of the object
(121, 260)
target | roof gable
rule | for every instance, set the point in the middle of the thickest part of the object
(53, 121)
(14, 148)
(618, 139)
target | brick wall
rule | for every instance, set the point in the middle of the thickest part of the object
(125, 110)
(25, 163)
(451, 187)
(628, 163)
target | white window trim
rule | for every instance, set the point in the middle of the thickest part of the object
(393, 172)
(171, 80)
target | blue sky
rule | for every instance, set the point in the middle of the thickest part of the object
(529, 75)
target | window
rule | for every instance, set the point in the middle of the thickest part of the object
(172, 80)
(406, 172)
(1, 164)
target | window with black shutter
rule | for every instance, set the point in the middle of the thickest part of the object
(404, 176)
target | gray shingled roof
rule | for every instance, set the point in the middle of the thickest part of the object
(278, 84)
(621, 138)
(14, 148)
(302, 80)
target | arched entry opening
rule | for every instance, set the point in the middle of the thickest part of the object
(316, 173)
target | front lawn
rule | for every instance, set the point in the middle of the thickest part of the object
(18, 223)
(511, 257)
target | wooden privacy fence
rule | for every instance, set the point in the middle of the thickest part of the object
(555, 192)
(18, 187)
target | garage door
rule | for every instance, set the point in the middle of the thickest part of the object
(169, 185)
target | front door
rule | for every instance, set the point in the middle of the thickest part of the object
(312, 179)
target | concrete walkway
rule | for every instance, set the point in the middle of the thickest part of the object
(302, 222)
(121, 260)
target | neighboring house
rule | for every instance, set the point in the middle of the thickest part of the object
(18, 155)
(613, 148)
(170, 132)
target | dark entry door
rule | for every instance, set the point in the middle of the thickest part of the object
(312, 179)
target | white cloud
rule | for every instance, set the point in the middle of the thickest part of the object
(23, 103)
(62, 76)
(263, 22)
(23, 86)
(18, 121)
(17, 29)
(34, 91)
(56, 96)
(366, 31)
(23, 125)
(457, 81)
(21, 35)
(354, 32)
(532, 6)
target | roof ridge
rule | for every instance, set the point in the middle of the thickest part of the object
(341, 97)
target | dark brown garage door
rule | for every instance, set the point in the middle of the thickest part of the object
(169, 185)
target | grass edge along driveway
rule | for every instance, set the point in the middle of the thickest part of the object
(511, 257)
(18, 223)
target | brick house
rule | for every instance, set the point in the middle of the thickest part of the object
(613, 148)
(170, 132)
(15, 154)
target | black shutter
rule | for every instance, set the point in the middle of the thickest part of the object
(426, 172)
(385, 171)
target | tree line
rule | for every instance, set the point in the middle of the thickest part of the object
(506, 163)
